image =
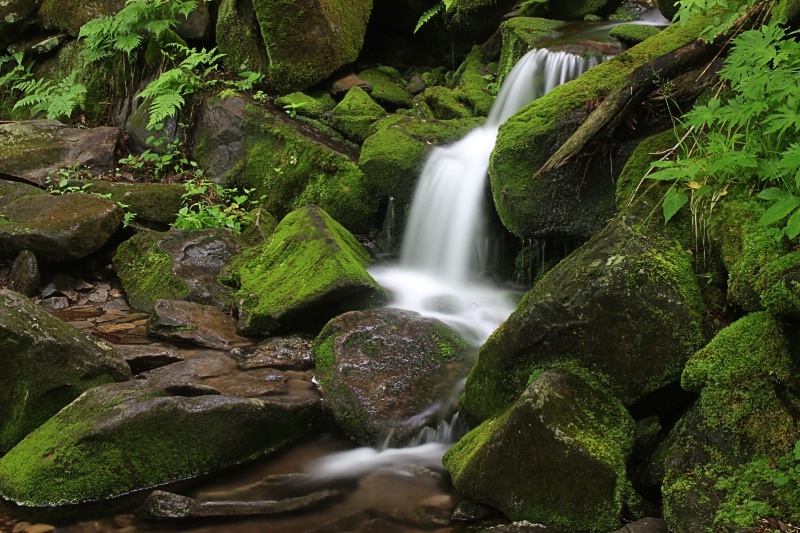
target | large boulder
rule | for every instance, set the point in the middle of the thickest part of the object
(33, 149)
(310, 271)
(58, 228)
(288, 162)
(542, 206)
(305, 41)
(15, 17)
(557, 456)
(626, 304)
(380, 372)
(70, 15)
(177, 265)
(46, 364)
(152, 203)
(120, 438)
(727, 455)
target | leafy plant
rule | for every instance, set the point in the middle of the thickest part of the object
(292, 108)
(65, 185)
(55, 100)
(158, 164)
(727, 13)
(750, 137)
(209, 205)
(429, 14)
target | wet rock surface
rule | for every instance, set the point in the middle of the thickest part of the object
(198, 324)
(290, 352)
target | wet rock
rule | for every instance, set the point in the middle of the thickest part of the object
(219, 136)
(119, 438)
(55, 303)
(387, 371)
(197, 25)
(564, 433)
(162, 504)
(176, 265)
(471, 511)
(290, 352)
(141, 358)
(33, 149)
(198, 324)
(58, 228)
(625, 305)
(24, 276)
(312, 270)
(645, 525)
(46, 364)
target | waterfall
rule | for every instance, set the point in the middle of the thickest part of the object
(440, 257)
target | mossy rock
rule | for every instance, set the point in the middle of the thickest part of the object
(746, 414)
(70, 15)
(762, 273)
(308, 40)
(355, 114)
(633, 34)
(625, 305)
(239, 36)
(541, 206)
(392, 158)
(306, 105)
(388, 88)
(564, 433)
(477, 19)
(310, 271)
(630, 182)
(444, 104)
(47, 363)
(579, 9)
(520, 35)
(176, 265)
(152, 203)
(361, 355)
(474, 79)
(121, 438)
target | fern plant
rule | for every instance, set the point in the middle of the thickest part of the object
(56, 100)
(429, 14)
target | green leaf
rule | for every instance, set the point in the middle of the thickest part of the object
(773, 194)
(673, 201)
(793, 225)
(779, 210)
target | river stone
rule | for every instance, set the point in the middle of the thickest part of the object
(24, 276)
(33, 149)
(310, 271)
(194, 323)
(288, 352)
(58, 228)
(120, 438)
(626, 304)
(162, 505)
(148, 357)
(177, 265)
(557, 456)
(46, 364)
(15, 17)
(387, 371)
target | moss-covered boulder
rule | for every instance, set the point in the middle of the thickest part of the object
(152, 203)
(312, 103)
(33, 149)
(625, 305)
(16, 16)
(545, 205)
(46, 364)
(310, 271)
(388, 88)
(556, 456)
(121, 438)
(360, 356)
(392, 158)
(289, 162)
(444, 105)
(473, 85)
(633, 34)
(355, 114)
(296, 44)
(70, 15)
(762, 273)
(520, 35)
(176, 265)
(720, 471)
(58, 228)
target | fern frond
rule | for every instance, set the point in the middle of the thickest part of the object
(428, 15)
(164, 105)
(128, 43)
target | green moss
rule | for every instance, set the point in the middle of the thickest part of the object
(388, 89)
(632, 180)
(70, 15)
(238, 37)
(146, 272)
(631, 34)
(355, 114)
(520, 35)
(150, 202)
(444, 104)
(472, 87)
(303, 104)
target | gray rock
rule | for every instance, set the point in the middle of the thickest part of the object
(198, 324)
(148, 357)
(33, 149)
(46, 364)
(290, 352)
(24, 276)
(381, 371)
(218, 137)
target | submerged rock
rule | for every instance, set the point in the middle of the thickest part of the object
(557, 456)
(312, 270)
(119, 438)
(625, 305)
(46, 364)
(387, 371)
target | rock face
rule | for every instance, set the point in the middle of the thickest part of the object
(305, 41)
(70, 15)
(312, 270)
(120, 438)
(176, 265)
(382, 370)
(198, 324)
(625, 304)
(46, 364)
(58, 228)
(15, 17)
(557, 456)
(33, 149)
